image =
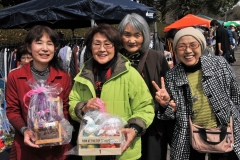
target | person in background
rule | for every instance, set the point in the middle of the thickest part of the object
(109, 78)
(169, 36)
(235, 36)
(209, 49)
(23, 56)
(203, 87)
(151, 65)
(40, 42)
(232, 58)
(222, 40)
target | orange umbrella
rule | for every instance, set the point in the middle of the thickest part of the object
(188, 21)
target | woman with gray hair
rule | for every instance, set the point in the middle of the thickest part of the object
(152, 65)
(201, 88)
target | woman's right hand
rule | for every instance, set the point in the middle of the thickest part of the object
(93, 104)
(29, 138)
(162, 95)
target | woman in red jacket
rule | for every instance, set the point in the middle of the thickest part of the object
(40, 42)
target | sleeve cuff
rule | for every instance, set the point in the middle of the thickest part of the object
(136, 128)
(23, 129)
(168, 114)
(78, 109)
(139, 123)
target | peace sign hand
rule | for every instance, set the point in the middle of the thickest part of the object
(162, 95)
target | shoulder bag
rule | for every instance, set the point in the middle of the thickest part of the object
(212, 140)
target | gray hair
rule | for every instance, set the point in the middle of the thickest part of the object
(137, 22)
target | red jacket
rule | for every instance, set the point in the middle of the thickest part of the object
(16, 88)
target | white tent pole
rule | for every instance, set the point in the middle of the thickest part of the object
(155, 27)
(92, 23)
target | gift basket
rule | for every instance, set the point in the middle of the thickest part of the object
(6, 130)
(45, 114)
(100, 134)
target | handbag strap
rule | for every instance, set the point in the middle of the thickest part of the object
(202, 131)
(203, 134)
(141, 62)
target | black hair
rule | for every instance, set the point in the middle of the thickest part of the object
(21, 50)
(171, 33)
(109, 31)
(214, 22)
(36, 34)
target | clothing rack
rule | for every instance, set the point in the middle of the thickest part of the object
(71, 41)
(9, 45)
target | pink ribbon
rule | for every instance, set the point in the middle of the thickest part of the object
(42, 112)
(33, 92)
(101, 105)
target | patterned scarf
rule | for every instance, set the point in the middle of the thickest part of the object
(102, 72)
(134, 58)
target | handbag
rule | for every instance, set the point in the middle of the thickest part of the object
(232, 58)
(212, 140)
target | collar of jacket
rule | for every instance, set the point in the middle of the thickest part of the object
(122, 64)
(25, 72)
(207, 70)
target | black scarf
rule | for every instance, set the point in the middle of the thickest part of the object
(102, 72)
(191, 69)
(134, 58)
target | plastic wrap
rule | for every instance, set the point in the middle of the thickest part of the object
(99, 124)
(103, 128)
(45, 114)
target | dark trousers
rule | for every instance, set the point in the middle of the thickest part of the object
(226, 55)
(151, 149)
(154, 143)
(5, 155)
(195, 155)
(167, 138)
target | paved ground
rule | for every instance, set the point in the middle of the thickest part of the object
(236, 67)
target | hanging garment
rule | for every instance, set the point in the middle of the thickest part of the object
(5, 64)
(64, 55)
(2, 60)
(13, 60)
(82, 57)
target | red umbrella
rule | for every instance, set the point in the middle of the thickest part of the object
(188, 21)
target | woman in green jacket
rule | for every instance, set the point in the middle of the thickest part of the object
(109, 77)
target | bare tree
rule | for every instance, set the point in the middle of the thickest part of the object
(179, 8)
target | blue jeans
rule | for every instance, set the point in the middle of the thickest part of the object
(226, 55)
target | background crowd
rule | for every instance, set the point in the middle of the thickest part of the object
(154, 91)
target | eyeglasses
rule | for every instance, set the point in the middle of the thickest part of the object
(105, 45)
(183, 47)
(26, 58)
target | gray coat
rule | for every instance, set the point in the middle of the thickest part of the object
(223, 91)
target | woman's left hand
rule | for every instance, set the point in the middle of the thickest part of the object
(129, 134)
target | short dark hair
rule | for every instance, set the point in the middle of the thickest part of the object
(214, 22)
(109, 31)
(171, 33)
(21, 50)
(36, 33)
